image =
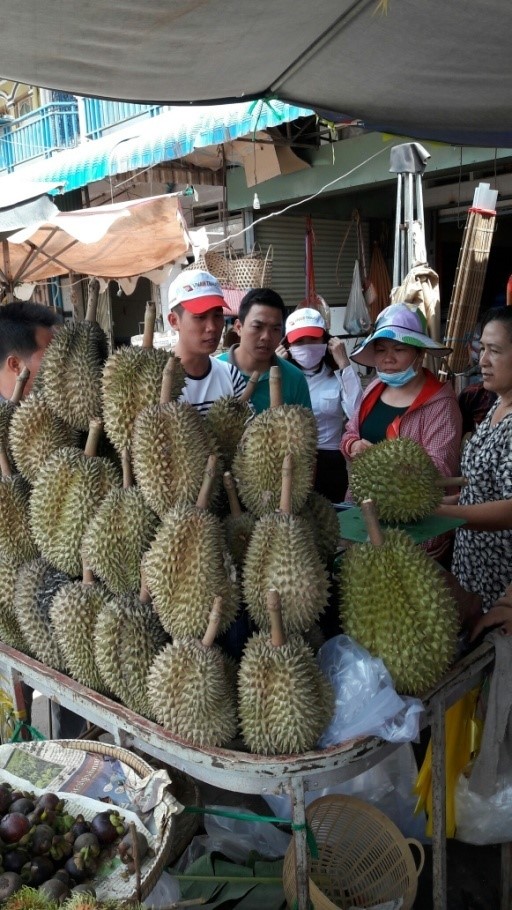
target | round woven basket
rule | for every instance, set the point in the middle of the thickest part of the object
(142, 768)
(363, 858)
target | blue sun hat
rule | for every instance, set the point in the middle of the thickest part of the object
(402, 323)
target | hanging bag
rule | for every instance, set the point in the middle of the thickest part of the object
(369, 291)
(357, 318)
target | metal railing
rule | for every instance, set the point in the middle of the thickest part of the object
(40, 133)
(100, 116)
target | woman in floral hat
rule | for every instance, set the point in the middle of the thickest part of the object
(405, 399)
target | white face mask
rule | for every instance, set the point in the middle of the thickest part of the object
(308, 356)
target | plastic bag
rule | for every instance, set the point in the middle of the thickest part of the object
(484, 819)
(388, 786)
(366, 703)
(357, 318)
(165, 893)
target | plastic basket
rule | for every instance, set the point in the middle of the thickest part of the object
(363, 858)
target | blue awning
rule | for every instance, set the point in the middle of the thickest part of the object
(174, 134)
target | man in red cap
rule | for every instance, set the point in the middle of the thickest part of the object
(196, 313)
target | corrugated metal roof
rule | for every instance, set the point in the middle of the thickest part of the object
(173, 134)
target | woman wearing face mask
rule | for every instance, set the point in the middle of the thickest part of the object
(405, 399)
(335, 391)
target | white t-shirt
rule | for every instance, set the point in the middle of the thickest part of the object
(334, 397)
(221, 379)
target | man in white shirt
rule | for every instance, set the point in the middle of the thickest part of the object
(196, 312)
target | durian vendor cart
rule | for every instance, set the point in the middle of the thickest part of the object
(246, 773)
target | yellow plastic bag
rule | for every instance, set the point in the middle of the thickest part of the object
(463, 733)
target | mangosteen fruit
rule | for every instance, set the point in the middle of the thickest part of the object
(42, 838)
(14, 860)
(23, 805)
(55, 890)
(63, 875)
(50, 802)
(37, 871)
(108, 826)
(14, 827)
(61, 848)
(80, 826)
(84, 889)
(126, 849)
(10, 882)
(75, 867)
(5, 797)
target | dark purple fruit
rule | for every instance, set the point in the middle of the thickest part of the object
(42, 838)
(14, 860)
(108, 826)
(84, 889)
(126, 849)
(14, 827)
(80, 826)
(55, 890)
(38, 871)
(76, 869)
(23, 805)
(88, 842)
(10, 882)
(49, 802)
(63, 875)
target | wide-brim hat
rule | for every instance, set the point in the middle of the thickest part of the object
(401, 323)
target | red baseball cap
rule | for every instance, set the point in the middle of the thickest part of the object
(196, 291)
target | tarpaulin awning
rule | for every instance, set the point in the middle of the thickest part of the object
(112, 241)
(173, 134)
(424, 68)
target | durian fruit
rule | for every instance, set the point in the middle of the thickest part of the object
(394, 602)
(284, 702)
(267, 439)
(8, 408)
(228, 418)
(16, 540)
(73, 614)
(10, 632)
(35, 434)
(323, 518)
(70, 374)
(132, 380)
(399, 477)
(238, 526)
(282, 555)
(188, 565)
(118, 535)
(127, 638)
(170, 449)
(36, 585)
(67, 492)
(191, 690)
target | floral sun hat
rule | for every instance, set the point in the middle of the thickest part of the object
(400, 323)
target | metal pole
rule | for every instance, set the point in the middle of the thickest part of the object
(398, 233)
(439, 881)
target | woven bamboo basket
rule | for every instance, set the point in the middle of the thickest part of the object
(252, 270)
(363, 858)
(142, 768)
(214, 262)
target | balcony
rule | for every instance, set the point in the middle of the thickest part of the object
(56, 126)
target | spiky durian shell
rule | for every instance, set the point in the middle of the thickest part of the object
(257, 465)
(192, 694)
(284, 702)
(187, 566)
(131, 381)
(36, 585)
(228, 419)
(399, 477)
(35, 433)
(170, 449)
(67, 493)
(70, 373)
(10, 632)
(395, 603)
(127, 637)
(7, 410)
(16, 539)
(323, 518)
(73, 614)
(116, 538)
(238, 530)
(282, 555)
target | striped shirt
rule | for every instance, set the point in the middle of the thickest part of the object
(220, 379)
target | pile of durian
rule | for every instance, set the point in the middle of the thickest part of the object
(126, 551)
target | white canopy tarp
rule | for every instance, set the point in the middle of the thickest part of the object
(434, 68)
